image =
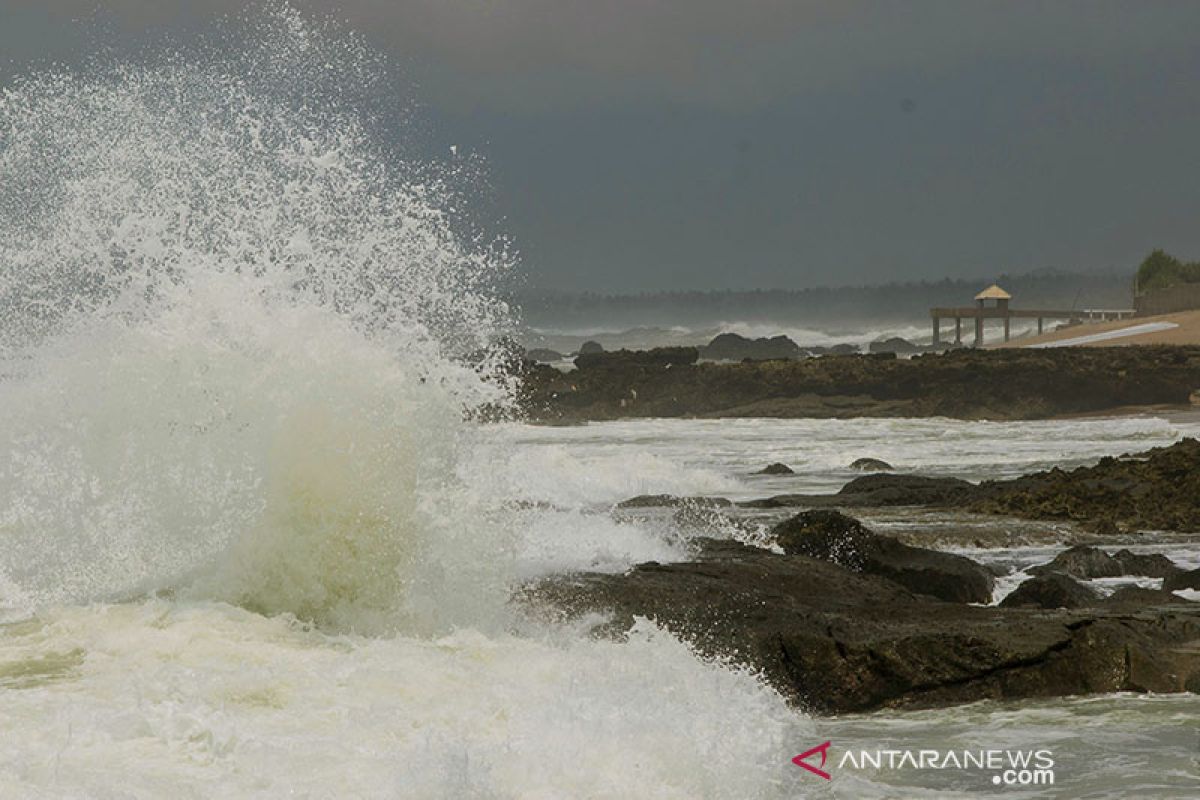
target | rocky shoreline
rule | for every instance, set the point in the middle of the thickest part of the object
(839, 618)
(964, 384)
(1155, 490)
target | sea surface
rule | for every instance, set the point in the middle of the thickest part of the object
(196, 696)
(252, 546)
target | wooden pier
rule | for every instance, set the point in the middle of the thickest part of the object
(1001, 310)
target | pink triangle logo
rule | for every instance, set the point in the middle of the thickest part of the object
(823, 750)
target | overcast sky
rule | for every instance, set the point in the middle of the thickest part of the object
(700, 144)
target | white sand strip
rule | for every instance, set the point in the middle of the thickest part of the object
(1120, 333)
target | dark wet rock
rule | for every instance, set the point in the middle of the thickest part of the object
(832, 536)
(1086, 562)
(734, 347)
(1155, 490)
(878, 490)
(1052, 590)
(543, 355)
(836, 641)
(776, 469)
(1137, 596)
(1182, 580)
(590, 348)
(673, 501)
(899, 346)
(966, 384)
(871, 465)
(904, 490)
(644, 363)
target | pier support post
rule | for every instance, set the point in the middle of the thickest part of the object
(979, 331)
(937, 333)
(1039, 326)
(958, 330)
(1007, 326)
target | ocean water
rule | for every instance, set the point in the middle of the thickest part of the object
(250, 546)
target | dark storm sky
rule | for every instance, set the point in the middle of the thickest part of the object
(700, 144)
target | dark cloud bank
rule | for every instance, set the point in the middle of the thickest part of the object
(699, 144)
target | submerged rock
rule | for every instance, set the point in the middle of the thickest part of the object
(836, 641)
(1052, 590)
(832, 536)
(871, 465)
(776, 469)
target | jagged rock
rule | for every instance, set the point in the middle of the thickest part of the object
(1052, 590)
(871, 465)
(835, 641)
(1182, 580)
(832, 536)
(776, 469)
(734, 347)
(1086, 562)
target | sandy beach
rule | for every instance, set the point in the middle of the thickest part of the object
(1184, 329)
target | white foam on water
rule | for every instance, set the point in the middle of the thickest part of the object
(151, 699)
(229, 378)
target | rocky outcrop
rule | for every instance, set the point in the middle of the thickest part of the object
(832, 536)
(1086, 562)
(901, 347)
(967, 384)
(1182, 580)
(734, 347)
(776, 469)
(871, 465)
(1155, 490)
(590, 348)
(1052, 590)
(832, 640)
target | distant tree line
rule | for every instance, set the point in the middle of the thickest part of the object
(1160, 269)
(894, 302)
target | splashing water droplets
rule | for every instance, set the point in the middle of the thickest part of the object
(225, 348)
